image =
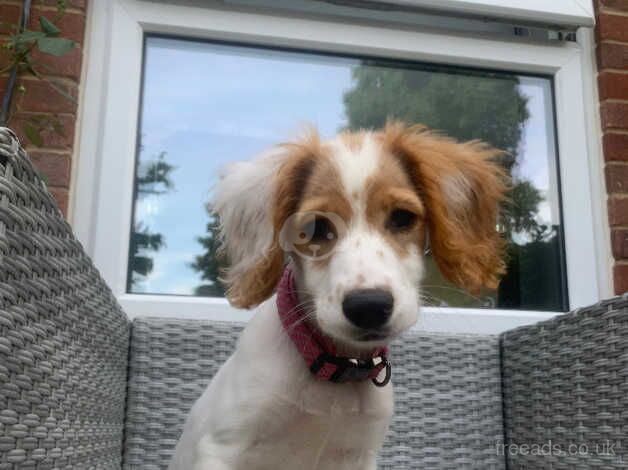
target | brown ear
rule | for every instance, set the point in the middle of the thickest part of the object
(253, 201)
(462, 187)
(255, 285)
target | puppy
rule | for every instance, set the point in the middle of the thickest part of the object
(329, 238)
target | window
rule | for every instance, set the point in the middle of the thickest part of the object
(204, 104)
(183, 89)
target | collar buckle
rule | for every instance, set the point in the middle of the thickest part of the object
(353, 370)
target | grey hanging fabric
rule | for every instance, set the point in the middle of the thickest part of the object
(564, 15)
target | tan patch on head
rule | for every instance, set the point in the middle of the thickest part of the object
(321, 193)
(389, 190)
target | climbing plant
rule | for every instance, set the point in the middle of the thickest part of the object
(18, 60)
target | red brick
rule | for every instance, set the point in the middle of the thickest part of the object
(617, 178)
(9, 14)
(5, 57)
(68, 65)
(55, 167)
(613, 85)
(618, 211)
(613, 27)
(614, 115)
(620, 272)
(3, 85)
(612, 55)
(41, 97)
(72, 25)
(61, 195)
(616, 147)
(50, 138)
(619, 243)
(615, 4)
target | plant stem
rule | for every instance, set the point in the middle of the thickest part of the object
(8, 93)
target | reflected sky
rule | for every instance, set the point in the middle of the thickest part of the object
(206, 104)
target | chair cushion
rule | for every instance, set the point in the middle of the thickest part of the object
(448, 412)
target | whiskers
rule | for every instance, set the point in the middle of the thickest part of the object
(307, 308)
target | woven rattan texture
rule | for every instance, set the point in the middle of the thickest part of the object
(566, 390)
(448, 404)
(63, 337)
(170, 365)
(448, 394)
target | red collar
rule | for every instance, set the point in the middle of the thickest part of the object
(318, 350)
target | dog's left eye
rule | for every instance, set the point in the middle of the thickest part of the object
(401, 219)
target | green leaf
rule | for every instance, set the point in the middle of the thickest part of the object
(61, 89)
(33, 135)
(48, 27)
(55, 46)
(28, 36)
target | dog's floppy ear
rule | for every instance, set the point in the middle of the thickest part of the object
(253, 199)
(462, 186)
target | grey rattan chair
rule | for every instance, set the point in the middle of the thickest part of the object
(462, 402)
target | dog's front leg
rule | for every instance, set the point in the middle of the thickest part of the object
(371, 464)
(213, 463)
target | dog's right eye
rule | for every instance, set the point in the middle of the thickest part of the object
(401, 219)
(321, 230)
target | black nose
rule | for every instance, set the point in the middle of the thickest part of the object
(368, 308)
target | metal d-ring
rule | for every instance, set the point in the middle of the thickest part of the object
(388, 368)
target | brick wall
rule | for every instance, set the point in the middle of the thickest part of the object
(54, 157)
(612, 54)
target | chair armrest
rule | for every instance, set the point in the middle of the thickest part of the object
(63, 337)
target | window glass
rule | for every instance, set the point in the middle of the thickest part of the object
(205, 104)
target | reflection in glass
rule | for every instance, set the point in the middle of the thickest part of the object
(207, 104)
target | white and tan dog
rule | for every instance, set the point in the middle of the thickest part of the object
(352, 215)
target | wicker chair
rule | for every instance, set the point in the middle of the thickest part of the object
(83, 388)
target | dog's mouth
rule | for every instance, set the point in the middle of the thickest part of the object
(372, 335)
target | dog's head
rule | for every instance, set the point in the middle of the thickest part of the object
(355, 214)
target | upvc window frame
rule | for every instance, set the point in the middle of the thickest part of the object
(102, 201)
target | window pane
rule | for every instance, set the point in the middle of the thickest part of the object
(205, 104)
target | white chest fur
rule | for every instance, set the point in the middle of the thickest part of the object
(264, 410)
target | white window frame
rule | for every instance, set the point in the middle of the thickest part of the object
(104, 172)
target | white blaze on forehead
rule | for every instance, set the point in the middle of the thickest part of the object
(356, 165)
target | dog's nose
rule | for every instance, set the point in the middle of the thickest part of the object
(368, 308)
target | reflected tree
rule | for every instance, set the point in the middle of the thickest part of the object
(463, 106)
(210, 264)
(466, 107)
(152, 179)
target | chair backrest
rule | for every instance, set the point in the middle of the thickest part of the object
(63, 337)
(566, 390)
(448, 394)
